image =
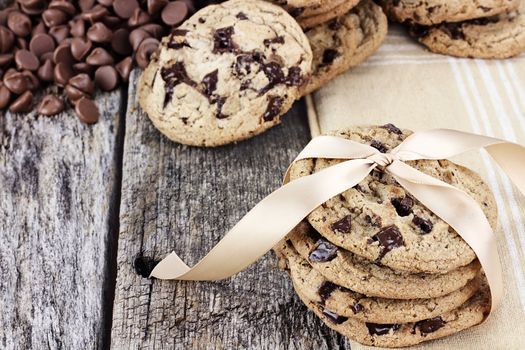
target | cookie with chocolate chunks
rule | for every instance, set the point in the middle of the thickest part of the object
(347, 303)
(386, 224)
(345, 42)
(430, 12)
(228, 73)
(500, 36)
(394, 335)
(360, 275)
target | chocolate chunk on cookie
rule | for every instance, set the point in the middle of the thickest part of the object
(227, 78)
(406, 236)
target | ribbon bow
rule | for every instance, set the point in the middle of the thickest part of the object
(291, 203)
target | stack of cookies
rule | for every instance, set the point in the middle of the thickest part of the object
(380, 268)
(476, 29)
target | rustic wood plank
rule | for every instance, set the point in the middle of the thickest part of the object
(180, 198)
(59, 184)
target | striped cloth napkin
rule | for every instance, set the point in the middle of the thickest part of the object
(406, 85)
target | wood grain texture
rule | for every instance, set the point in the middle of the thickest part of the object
(185, 199)
(58, 187)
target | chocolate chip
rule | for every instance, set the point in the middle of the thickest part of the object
(106, 78)
(77, 27)
(277, 40)
(99, 33)
(325, 291)
(295, 11)
(5, 96)
(323, 252)
(22, 103)
(155, 6)
(357, 308)
(146, 48)
(54, 17)
(124, 68)
(329, 56)
(295, 77)
(403, 205)
(430, 325)
(138, 18)
(274, 108)
(120, 42)
(424, 225)
(333, 317)
(62, 54)
(45, 72)
(26, 60)
(389, 238)
(174, 76)
(99, 57)
(174, 13)
(222, 40)
(87, 110)
(392, 129)
(124, 8)
(6, 58)
(74, 94)
(344, 225)
(19, 23)
(381, 329)
(63, 72)
(210, 82)
(242, 16)
(379, 146)
(137, 36)
(82, 67)
(50, 105)
(155, 30)
(60, 33)
(80, 48)
(83, 82)
(16, 82)
(7, 39)
(41, 44)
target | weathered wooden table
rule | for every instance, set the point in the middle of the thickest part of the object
(85, 209)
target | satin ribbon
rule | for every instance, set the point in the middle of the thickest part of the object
(277, 214)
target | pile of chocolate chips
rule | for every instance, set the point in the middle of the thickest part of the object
(78, 46)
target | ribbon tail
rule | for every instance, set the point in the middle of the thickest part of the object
(462, 213)
(511, 158)
(261, 229)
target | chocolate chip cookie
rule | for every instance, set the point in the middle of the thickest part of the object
(348, 303)
(345, 42)
(358, 274)
(228, 73)
(429, 12)
(501, 36)
(379, 221)
(390, 335)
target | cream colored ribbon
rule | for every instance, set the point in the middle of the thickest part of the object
(277, 214)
